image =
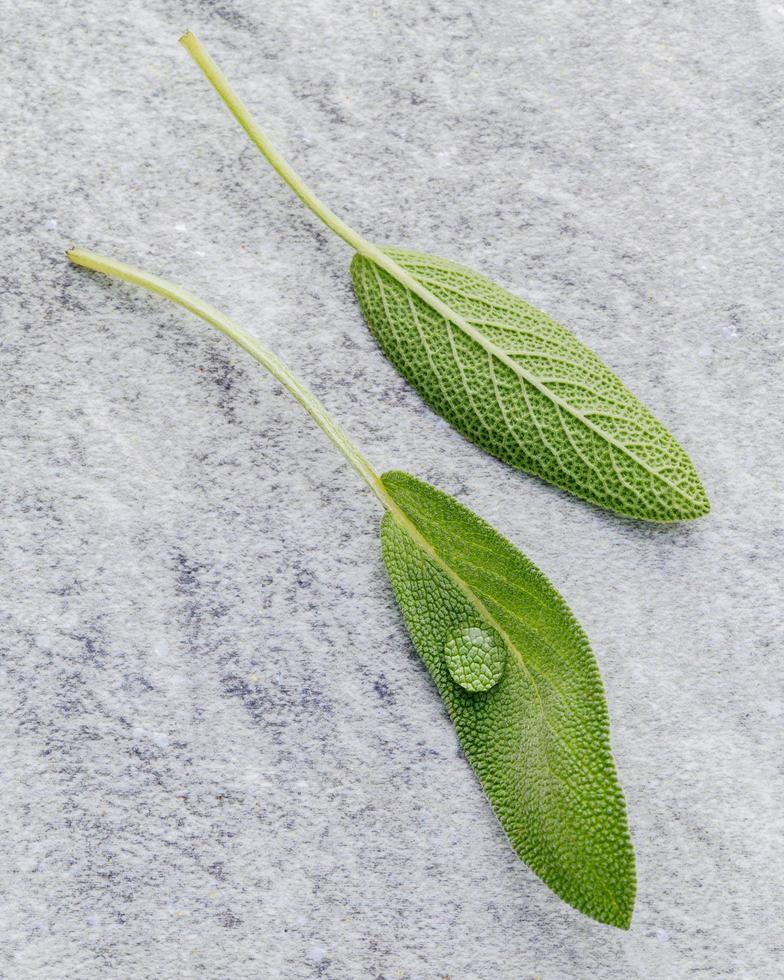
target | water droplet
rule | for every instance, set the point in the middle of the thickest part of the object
(475, 656)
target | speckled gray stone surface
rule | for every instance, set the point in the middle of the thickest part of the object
(220, 755)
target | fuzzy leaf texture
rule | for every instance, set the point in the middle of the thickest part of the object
(538, 738)
(525, 389)
(504, 374)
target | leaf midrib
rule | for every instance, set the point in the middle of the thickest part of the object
(375, 254)
(520, 620)
(462, 586)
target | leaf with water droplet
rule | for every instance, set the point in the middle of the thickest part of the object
(475, 656)
(539, 738)
(513, 666)
(503, 373)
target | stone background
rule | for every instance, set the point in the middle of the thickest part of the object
(220, 755)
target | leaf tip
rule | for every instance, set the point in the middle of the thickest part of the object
(703, 504)
(700, 503)
(624, 920)
(618, 912)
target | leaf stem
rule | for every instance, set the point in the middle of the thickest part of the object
(221, 85)
(268, 360)
(235, 105)
(276, 367)
(237, 108)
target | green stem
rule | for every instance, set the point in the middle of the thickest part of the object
(233, 102)
(276, 367)
(235, 105)
(268, 360)
(330, 219)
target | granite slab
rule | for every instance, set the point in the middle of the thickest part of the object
(220, 754)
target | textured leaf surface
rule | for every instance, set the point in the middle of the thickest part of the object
(523, 387)
(538, 738)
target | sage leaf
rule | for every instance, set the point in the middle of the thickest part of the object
(504, 374)
(538, 739)
(509, 659)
